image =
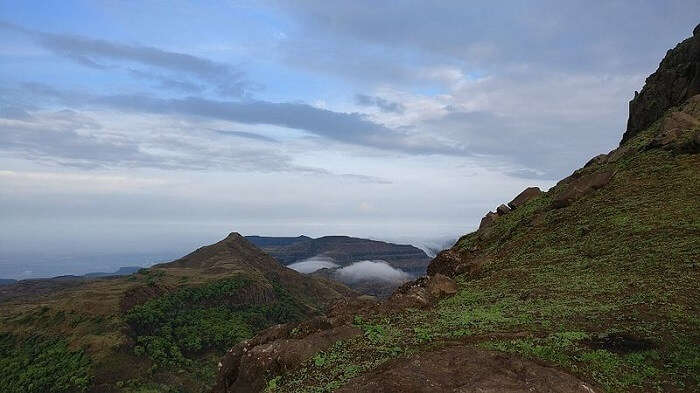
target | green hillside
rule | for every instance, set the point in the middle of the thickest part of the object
(597, 278)
(606, 288)
(162, 329)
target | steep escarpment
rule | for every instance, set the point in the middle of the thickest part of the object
(161, 329)
(676, 80)
(590, 286)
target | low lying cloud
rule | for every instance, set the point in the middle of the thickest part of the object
(356, 272)
(371, 270)
(313, 264)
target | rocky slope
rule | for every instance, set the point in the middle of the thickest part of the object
(589, 287)
(162, 329)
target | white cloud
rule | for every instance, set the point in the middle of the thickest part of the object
(313, 264)
(371, 270)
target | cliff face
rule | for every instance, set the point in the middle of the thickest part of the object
(676, 79)
(596, 280)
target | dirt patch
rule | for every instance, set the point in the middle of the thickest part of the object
(466, 370)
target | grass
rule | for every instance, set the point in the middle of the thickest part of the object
(562, 285)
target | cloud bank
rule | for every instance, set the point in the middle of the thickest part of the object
(313, 264)
(371, 270)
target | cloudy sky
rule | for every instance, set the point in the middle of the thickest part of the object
(157, 126)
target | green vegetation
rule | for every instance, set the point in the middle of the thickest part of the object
(174, 328)
(605, 288)
(41, 364)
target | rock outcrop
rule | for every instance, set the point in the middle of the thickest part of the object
(277, 350)
(502, 210)
(680, 130)
(488, 220)
(453, 262)
(676, 79)
(525, 196)
(423, 292)
(581, 186)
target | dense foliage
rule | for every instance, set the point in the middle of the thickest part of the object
(172, 328)
(40, 364)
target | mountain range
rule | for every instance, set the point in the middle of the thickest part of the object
(367, 266)
(343, 250)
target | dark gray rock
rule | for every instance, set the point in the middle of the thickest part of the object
(676, 79)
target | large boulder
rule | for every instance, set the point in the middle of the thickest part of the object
(276, 350)
(423, 292)
(412, 294)
(676, 79)
(525, 196)
(488, 220)
(580, 186)
(502, 210)
(440, 286)
(452, 263)
(445, 263)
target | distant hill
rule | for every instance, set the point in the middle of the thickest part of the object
(266, 241)
(343, 250)
(340, 258)
(20, 289)
(160, 329)
(122, 271)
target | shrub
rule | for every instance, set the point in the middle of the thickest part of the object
(41, 364)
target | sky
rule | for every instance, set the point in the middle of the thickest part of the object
(153, 127)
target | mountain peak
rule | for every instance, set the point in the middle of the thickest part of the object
(232, 251)
(233, 237)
